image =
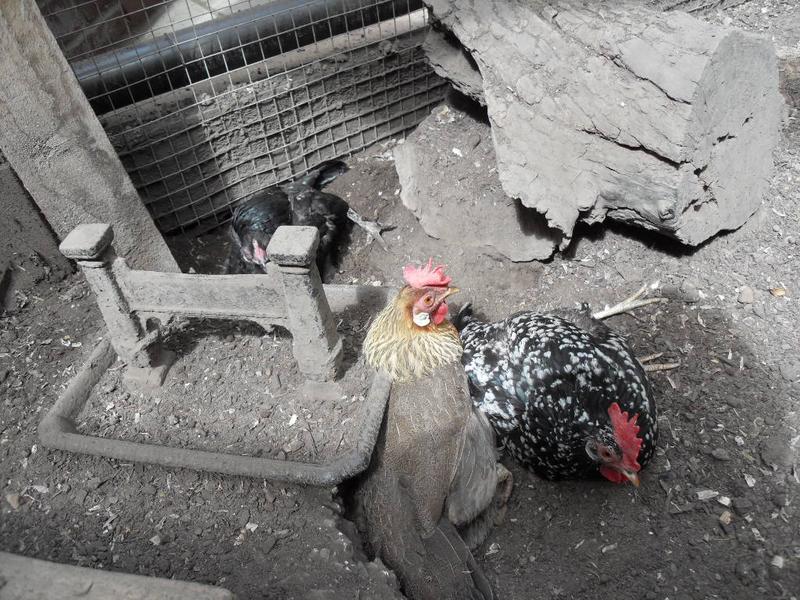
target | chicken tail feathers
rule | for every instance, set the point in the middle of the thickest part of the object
(431, 560)
(468, 581)
(324, 174)
(463, 316)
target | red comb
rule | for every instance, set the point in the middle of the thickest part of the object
(626, 435)
(426, 276)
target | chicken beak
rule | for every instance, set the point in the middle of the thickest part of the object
(632, 477)
(450, 291)
(260, 256)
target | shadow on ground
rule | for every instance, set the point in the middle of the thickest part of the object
(716, 515)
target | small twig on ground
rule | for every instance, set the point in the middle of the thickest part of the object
(313, 441)
(650, 357)
(627, 305)
(661, 367)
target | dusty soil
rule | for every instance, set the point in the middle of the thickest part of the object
(270, 411)
(259, 539)
(716, 515)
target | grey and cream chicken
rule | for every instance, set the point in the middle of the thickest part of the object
(434, 487)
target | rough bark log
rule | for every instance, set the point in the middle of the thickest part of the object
(693, 6)
(450, 60)
(611, 109)
(789, 67)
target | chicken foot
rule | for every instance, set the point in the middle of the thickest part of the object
(373, 228)
(627, 305)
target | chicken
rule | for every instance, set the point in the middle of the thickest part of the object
(565, 395)
(300, 202)
(434, 487)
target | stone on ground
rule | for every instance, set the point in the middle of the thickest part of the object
(449, 180)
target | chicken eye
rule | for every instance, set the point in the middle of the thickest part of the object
(427, 300)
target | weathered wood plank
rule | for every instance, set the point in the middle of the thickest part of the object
(51, 137)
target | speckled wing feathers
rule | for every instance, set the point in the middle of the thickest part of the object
(543, 381)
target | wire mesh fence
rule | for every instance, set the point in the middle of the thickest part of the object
(209, 101)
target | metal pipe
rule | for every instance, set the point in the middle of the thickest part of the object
(128, 75)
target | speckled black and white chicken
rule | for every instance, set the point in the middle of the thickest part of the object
(565, 395)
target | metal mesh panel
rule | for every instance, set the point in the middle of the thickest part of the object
(208, 101)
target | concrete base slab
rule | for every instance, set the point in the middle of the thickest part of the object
(24, 578)
(149, 378)
(322, 391)
(57, 430)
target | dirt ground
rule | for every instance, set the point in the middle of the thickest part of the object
(259, 539)
(716, 515)
(271, 411)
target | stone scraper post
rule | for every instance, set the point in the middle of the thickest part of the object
(316, 344)
(90, 245)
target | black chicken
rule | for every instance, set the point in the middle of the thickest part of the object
(565, 394)
(300, 202)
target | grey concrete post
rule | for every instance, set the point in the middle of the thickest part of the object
(315, 342)
(90, 245)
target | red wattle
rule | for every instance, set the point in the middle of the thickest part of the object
(440, 314)
(612, 474)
